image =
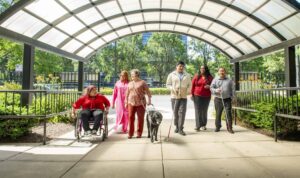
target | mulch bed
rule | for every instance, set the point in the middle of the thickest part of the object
(53, 130)
(295, 136)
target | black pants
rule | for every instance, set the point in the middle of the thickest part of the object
(86, 115)
(201, 107)
(219, 109)
(179, 110)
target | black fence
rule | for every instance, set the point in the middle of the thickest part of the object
(69, 80)
(43, 104)
(286, 101)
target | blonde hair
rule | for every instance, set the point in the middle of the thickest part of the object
(125, 73)
(136, 72)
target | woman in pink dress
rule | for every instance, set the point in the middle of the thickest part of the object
(119, 101)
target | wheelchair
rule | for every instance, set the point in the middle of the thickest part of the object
(103, 129)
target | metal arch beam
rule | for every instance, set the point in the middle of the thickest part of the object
(13, 9)
(258, 20)
(164, 10)
(24, 39)
(294, 4)
(268, 50)
(48, 27)
(170, 31)
(85, 7)
(167, 22)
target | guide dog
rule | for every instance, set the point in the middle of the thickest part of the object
(154, 119)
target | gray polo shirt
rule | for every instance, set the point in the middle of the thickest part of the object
(225, 84)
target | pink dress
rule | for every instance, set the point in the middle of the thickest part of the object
(119, 101)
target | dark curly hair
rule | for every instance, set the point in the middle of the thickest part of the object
(206, 73)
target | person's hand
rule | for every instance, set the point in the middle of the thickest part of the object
(126, 105)
(234, 101)
(218, 90)
(73, 115)
(206, 86)
(113, 106)
(192, 97)
(106, 111)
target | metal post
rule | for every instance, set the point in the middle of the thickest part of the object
(99, 80)
(115, 75)
(237, 75)
(27, 82)
(80, 76)
(275, 128)
(45, 126)
(290, 66)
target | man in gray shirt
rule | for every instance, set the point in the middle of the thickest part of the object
(223, 90)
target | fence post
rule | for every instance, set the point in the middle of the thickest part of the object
(275, 127)
(27, 82)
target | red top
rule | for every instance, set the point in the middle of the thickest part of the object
(198, 86)
(97, 102)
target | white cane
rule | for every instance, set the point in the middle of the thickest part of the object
(171, 120)
(224, 106)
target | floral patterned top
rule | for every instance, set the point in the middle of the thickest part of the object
(136, 91)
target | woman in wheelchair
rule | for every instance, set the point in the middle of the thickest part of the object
(93, 105)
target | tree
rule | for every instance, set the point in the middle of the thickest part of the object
(201, 52)
(162, 52)
(5, 4)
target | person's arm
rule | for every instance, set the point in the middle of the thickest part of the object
(148, 93)
(193, 85)
(189, 86)
(115, 93)
(126, 96)
(169, 82)
(76, 106)
(106, 104)
(213, 87)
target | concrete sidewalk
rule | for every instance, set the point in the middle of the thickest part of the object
(199, 154)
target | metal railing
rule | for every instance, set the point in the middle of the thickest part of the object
(43, 104)
(286, 102)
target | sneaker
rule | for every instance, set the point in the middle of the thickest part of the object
(94, 132)
(204, 128)
(176, 130)
(182, 133)
(197, 129)
(139, 136)
(231, 131)
(87, 133)
(217, 129)
(129, 137)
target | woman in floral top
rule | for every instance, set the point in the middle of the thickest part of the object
(135, 102)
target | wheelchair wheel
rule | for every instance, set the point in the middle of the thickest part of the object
(78, 129)
(104, 127)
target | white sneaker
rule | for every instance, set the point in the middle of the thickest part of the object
(87, 133)
(94, 132)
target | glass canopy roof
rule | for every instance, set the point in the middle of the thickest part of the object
(78, 28)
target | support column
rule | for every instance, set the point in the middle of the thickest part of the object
(28, 73)
(237, 75)
(290, 66)
(80, 76)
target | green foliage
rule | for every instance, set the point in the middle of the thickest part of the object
(159, 91)
(154, 91)
(41, 105)
(264, 117)
(162, 52)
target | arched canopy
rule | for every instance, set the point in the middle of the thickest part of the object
(78, 28)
